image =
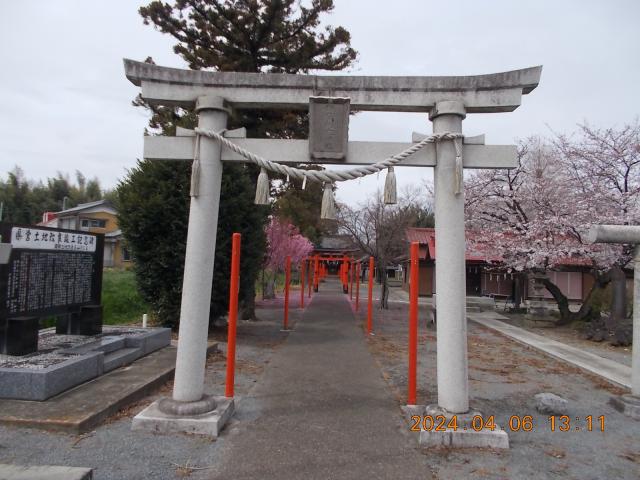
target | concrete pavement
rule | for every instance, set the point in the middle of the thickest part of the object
(322, 409)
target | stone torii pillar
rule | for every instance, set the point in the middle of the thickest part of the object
(447, 100)
(451, 338)
(626, 234)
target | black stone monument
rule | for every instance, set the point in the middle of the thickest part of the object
(49, 272)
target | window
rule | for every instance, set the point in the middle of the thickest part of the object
(93, 223)
(98, 223)
(126, 256)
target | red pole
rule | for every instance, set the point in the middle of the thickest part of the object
(351, 278)
(345, 280)
(233, 314)
(287, 281)
(316, 273)
(302, 272)
(413, 323)
(310, 279)
(357, 286)
(370, 299)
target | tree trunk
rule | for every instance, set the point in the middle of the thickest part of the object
(269, 289)
(618, 298)
(586, 312)
(249, 305)
(518, 290)
(382, 279)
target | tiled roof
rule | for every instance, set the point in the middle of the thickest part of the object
(84, 206)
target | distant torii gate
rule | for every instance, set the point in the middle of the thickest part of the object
(447, 100)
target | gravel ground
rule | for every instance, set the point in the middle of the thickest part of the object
(504, 377)
(117, 453)
(574, 336)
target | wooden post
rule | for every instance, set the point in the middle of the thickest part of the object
(309, 276)
(370, 299)
(287, 281)
(302, 273)
(413, 324)
(316, 274)
(233, 314)
(357, 286)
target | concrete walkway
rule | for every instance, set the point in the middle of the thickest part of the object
(322, 409)
(613, 371)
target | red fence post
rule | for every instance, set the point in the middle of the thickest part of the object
(302, 272)
(233, 314)
(316, 274)
(345, 279)
(357, 286)
(309, 277)
(351, 278)
(287, 281)
(370, 299)
(413, 323)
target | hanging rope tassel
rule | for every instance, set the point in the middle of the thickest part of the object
(195, 170)
(262, 188)
(328, 211)
(390, 194)
(459, 167)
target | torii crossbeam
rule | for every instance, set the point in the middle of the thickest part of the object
(447, 100)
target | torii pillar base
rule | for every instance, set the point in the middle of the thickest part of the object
(466, 434)
(154, 419)
(628, 405)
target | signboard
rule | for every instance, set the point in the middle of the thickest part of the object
(50, 271)
(328, 127)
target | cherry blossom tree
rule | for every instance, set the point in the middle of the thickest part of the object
(283, 239)
(536, 215)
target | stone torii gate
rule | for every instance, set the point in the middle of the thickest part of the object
(446, 99)
(626, 234)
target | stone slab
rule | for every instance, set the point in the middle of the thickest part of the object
(211, 424)
(121, 357)
(82, 408)
(464, 436)
(105, 344)
(629, 405)
(29, 384)
(497, 439)
(43, 472)
(96, 358)
(150, 342)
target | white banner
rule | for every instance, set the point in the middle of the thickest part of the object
(36, 239)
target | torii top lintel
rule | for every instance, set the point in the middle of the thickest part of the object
(497, 92)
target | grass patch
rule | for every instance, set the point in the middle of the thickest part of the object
(120, 298)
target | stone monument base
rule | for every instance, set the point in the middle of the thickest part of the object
(152, 419)
(463, 436)
(66, 361)
(627, 404)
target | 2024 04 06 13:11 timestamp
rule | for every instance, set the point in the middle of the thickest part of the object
(516, 423)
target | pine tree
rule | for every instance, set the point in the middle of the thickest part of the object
(277, 36)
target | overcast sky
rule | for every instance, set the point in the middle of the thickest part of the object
(66, 105)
